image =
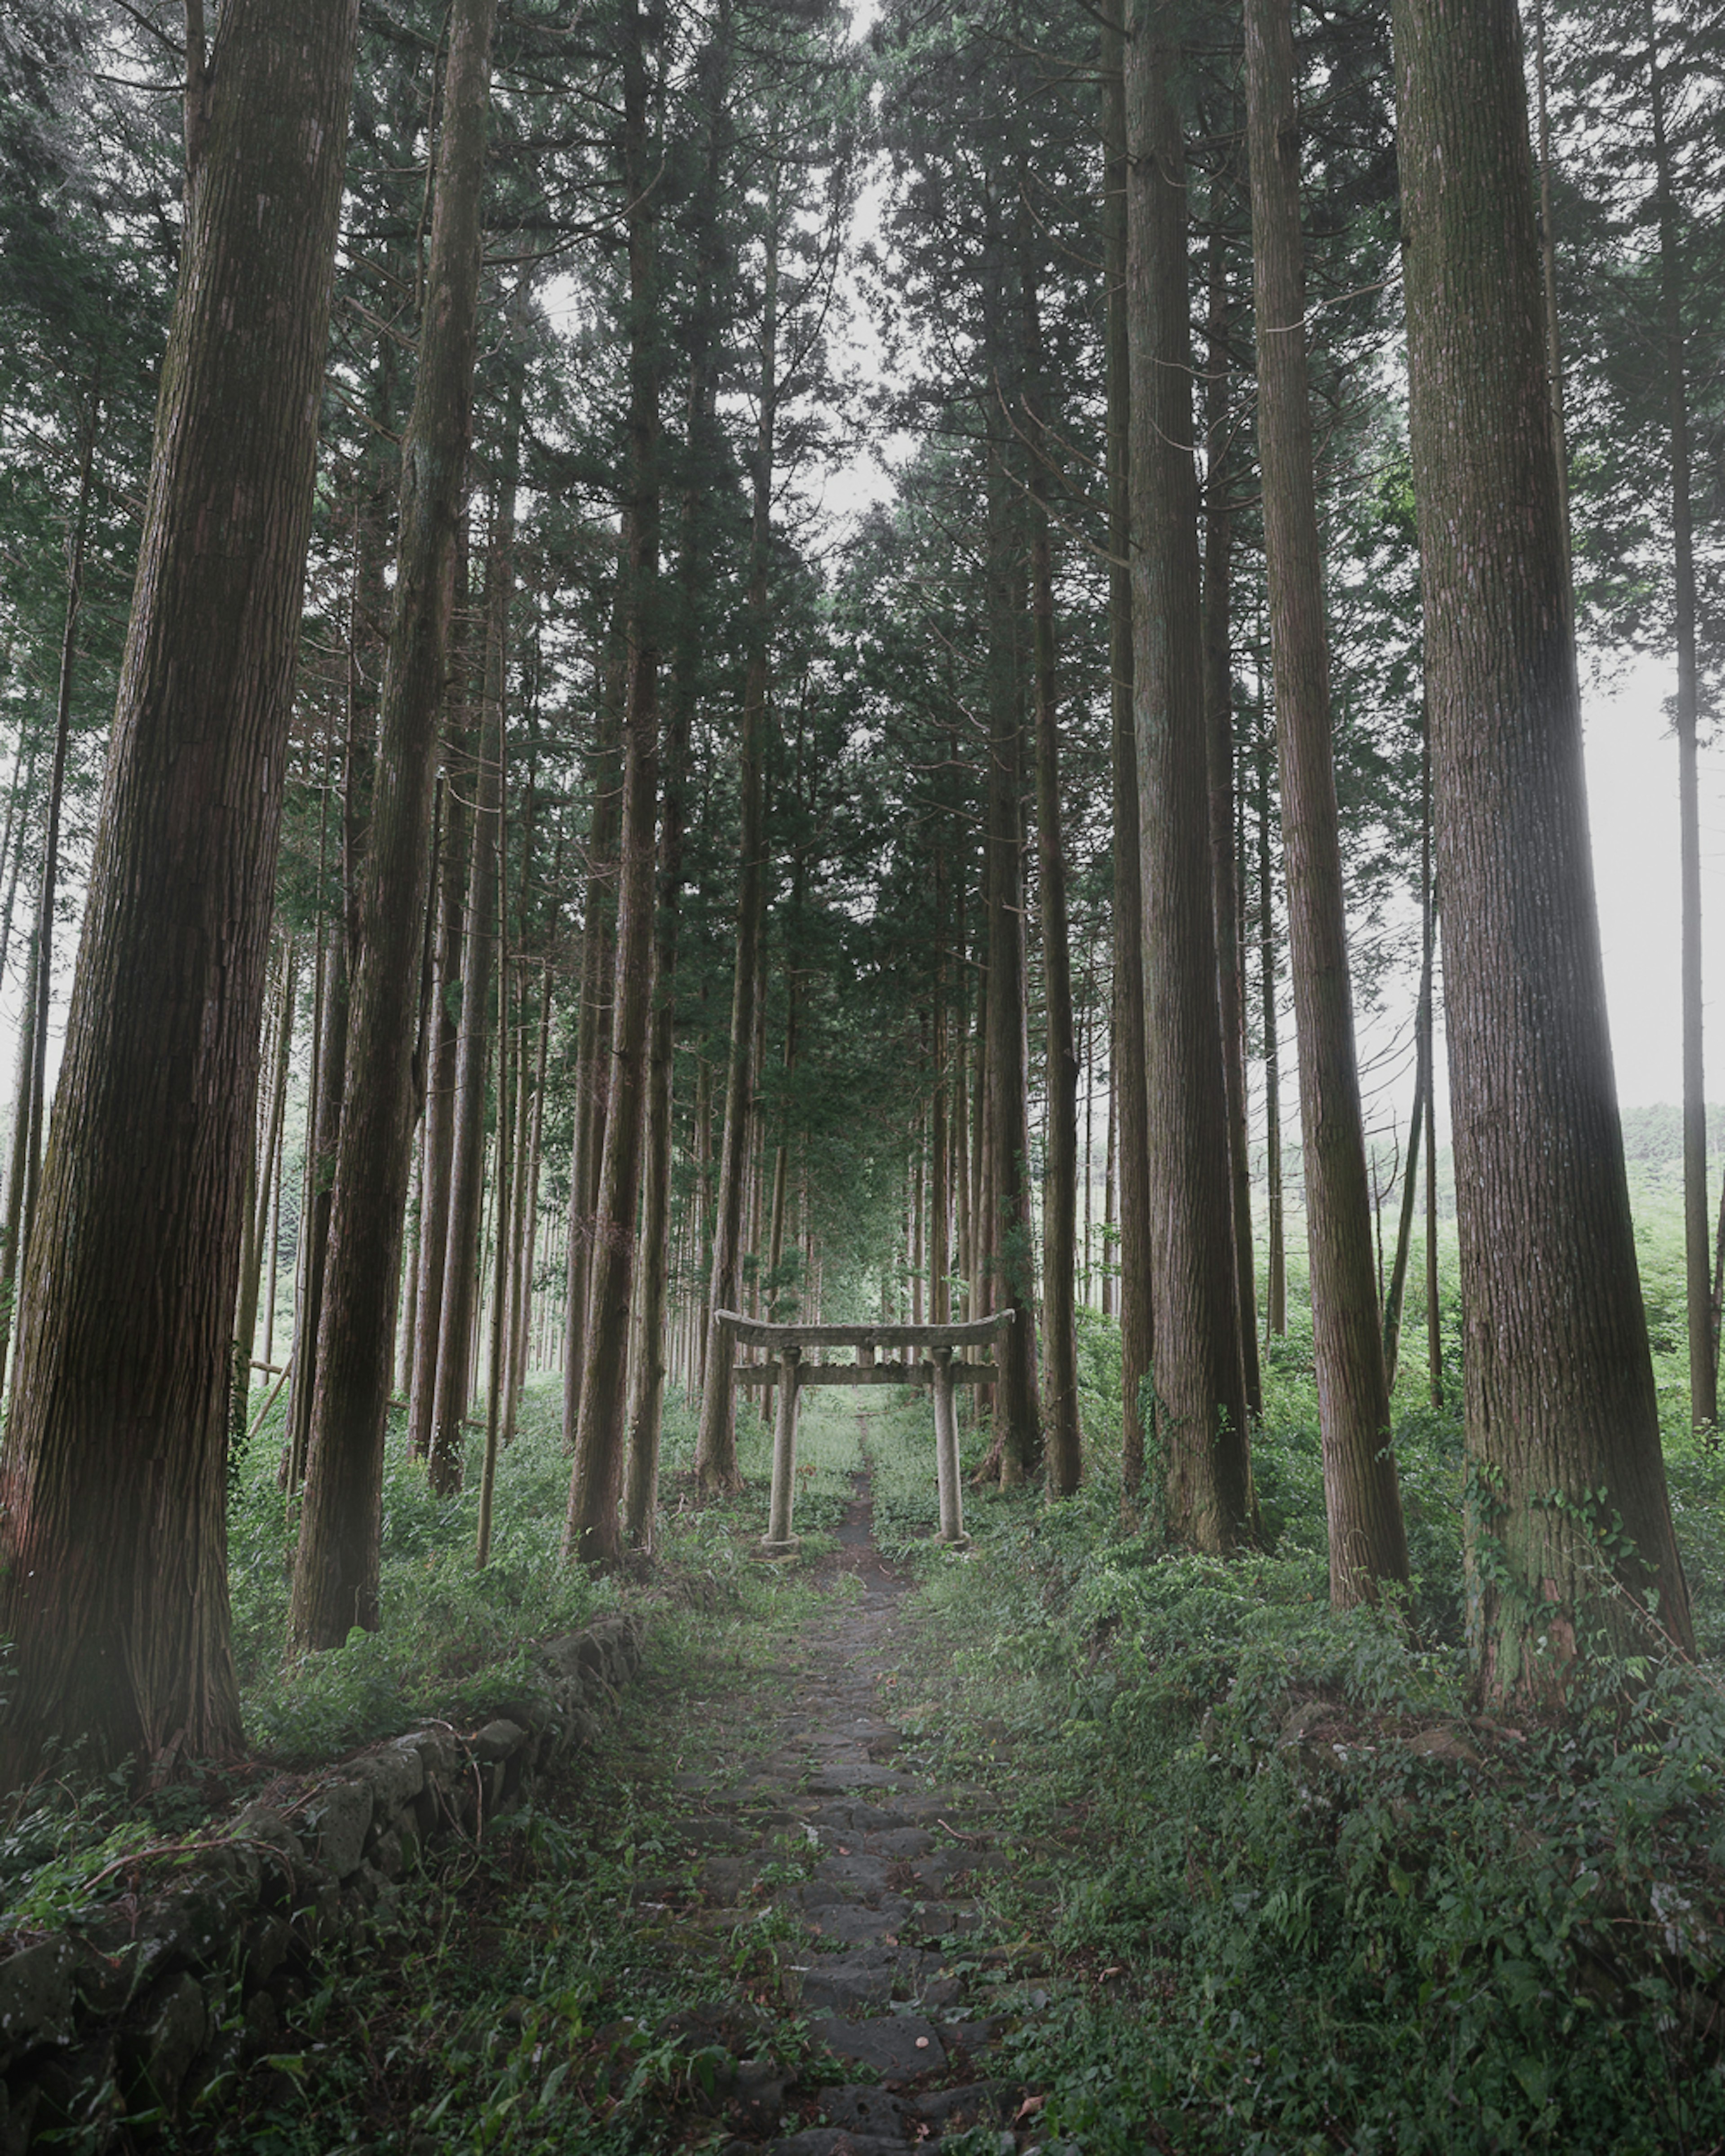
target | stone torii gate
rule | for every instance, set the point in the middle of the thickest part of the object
(790, 1373)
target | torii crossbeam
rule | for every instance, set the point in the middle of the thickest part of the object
(790, 1373)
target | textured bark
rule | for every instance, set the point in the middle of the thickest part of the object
(1362, 1502)
(641, 1492)
(1568, 1523)
(598, 981)
(1200, 1381)
(940, 1202)
(1063, 1440)
(1218, 745)
(1017, 1421)
(458, 1315)
(340, 1527)
(1275, 1263)
(115, 1591)
(1131, 1100)
(328, 1075)
(591, 1532)
(716, 1447)
(443, 1049)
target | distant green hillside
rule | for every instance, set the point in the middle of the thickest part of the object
(1653, 1136)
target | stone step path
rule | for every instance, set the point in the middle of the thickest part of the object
(896, 1871)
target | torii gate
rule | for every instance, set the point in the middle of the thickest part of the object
(790, 1373)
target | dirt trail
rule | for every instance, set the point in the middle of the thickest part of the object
(890, 1904)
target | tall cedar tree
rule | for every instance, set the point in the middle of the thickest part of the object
(1006, 1124)
(114, 1590)
(341, 1529)
(1132, 1142)
(1362, 1502)
(1060, 1191)
(601, 1435)
(1568, 1523)
(697, 521)
(1219, 481)
(716, 1448)
(1199, 1372)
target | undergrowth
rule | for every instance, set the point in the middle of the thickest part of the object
(1312, 1901)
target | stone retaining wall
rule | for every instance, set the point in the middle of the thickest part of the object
(142, 2005)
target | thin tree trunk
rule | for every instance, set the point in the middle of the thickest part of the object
(1568, 1532)
(341, 1526)
(1219, 749)
(940, 1255)
(463, 1251)
(528, 1355)
(115, 1578)
(497, 1317)
(1422, 1088)
(598, 974)
(1110, 1265)
(591, 1532)
(1131, 1109)
(251, 1271)
(716, 1448)
(1275, 1284)
(1368, 1543)
(1017, 1421)
(1062, 1437)
(315, 1219)
(1200, 1382)
(443, 1058)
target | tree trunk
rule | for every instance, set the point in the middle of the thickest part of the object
(1063, 1438)
(1568, 1529)
(1200, 1381)
(591, 1532)
(1396, 1290)
(716, 1449)
(598, 976)
(1419, 1126)
(329, 1075)
(443, 1050)
(467, 1163)
(257, 1228)
(940, 1204)
(336, 1567)
(115, 1591)
(1017, 1421)
(1362, 1501)
(1218, 750)
(1132, 1251)
(1276, 1282)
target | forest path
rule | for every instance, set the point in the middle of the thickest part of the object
(874, 1913)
